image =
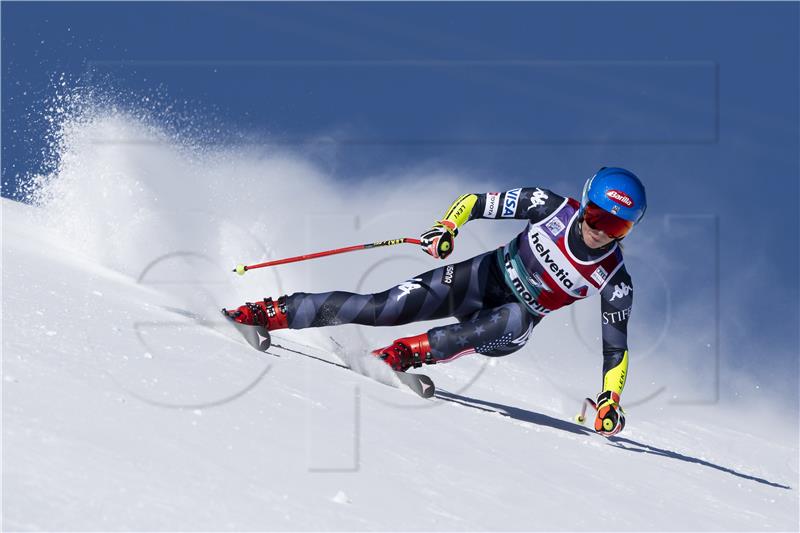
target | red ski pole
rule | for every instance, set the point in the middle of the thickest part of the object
(241, 269)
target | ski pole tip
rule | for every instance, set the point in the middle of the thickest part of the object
(240, 269)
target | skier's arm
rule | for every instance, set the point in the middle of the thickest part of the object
(616, 300)
(615, 308)
(438, 241)
(531, 203)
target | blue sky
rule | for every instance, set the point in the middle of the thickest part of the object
(699, 99)
(509, 89)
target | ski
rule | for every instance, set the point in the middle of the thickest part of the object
(259, 338)
(421, 384)
(256, 336)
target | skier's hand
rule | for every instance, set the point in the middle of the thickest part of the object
(610, 417)
(438, 241)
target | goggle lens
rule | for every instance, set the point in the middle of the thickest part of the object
(601, 220)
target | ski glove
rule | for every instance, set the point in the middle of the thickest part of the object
(610, 417)
(438, 241)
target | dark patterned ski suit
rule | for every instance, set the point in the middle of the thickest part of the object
(498, 296)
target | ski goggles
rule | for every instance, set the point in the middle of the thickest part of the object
(601, 220)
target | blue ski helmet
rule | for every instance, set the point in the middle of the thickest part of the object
(617, 191)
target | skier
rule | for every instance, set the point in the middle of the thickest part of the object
(568, 251)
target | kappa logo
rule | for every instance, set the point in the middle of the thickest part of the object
(492, 203)
(447, 275)
(510, 205)
(407, 286)
(555, 226)
(621, 291)
(538, 198)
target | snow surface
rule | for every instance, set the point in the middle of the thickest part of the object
(128, 404)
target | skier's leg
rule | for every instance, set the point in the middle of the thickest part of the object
(465, 289)
(450, 290)
(495, 332)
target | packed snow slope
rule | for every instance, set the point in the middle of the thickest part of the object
(128, 404)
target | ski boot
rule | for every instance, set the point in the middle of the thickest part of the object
(407, 352)
(255, 320)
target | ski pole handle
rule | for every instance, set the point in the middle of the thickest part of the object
(241, 269)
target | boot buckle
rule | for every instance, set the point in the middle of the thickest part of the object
(268, 303)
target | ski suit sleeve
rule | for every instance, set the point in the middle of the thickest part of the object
(615, 308)
(531, 203)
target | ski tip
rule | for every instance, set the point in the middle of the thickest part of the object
(256, 336)
(421, 384)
